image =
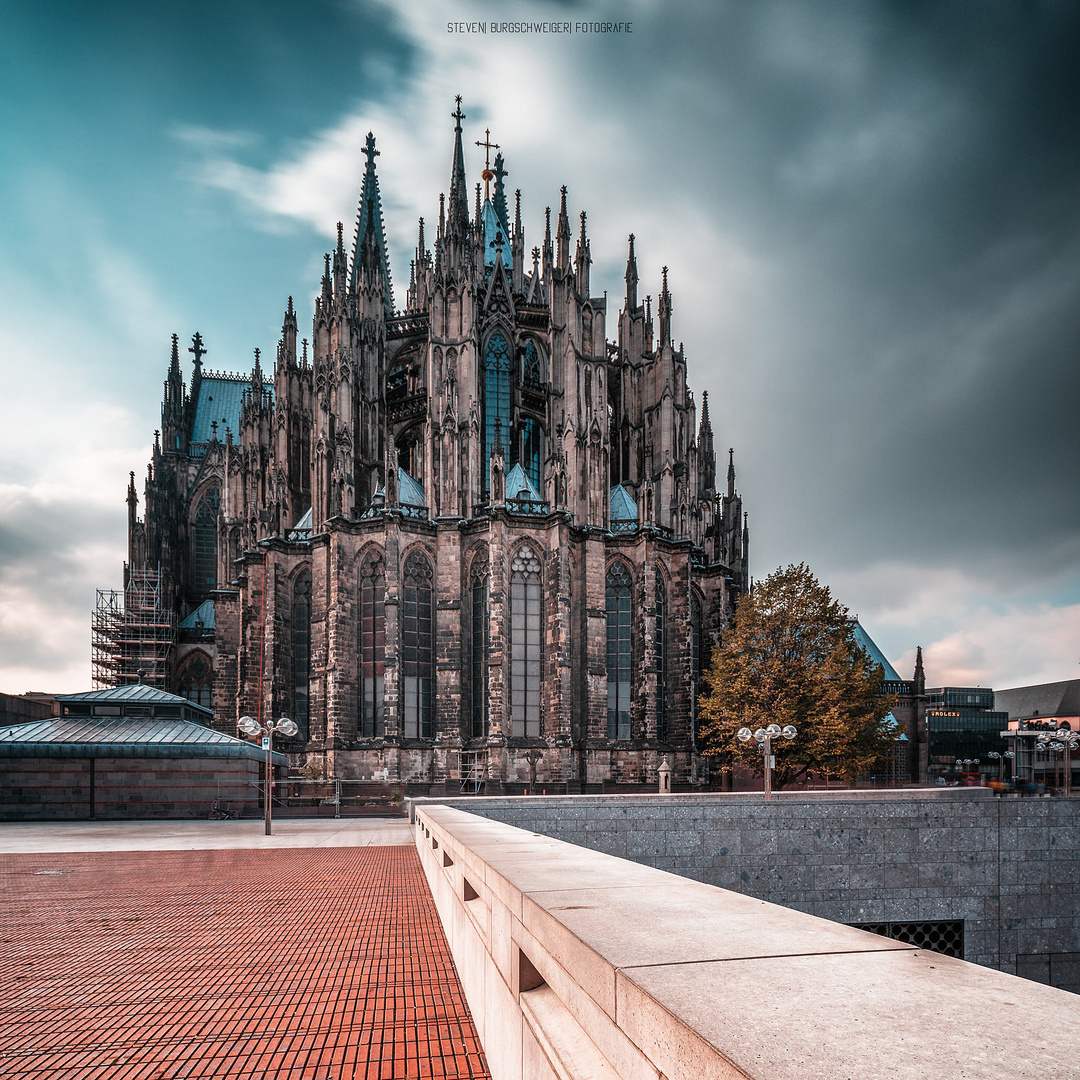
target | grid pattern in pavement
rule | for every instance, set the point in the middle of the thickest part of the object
(302, 963)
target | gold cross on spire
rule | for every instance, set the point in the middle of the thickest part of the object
(488, 145)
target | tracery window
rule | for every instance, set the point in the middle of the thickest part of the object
(480, 649)
(372, 645)
(196, 681)
(301, 649)
(619, 651)
(531, 449)
(695, 654)
(660, 645)
(204, 564)
(525, 649)
(531, 372)
(417, 648)
(496, 397)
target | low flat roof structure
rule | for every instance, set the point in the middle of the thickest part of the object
(135, 721)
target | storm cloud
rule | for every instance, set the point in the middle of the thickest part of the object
(869, 211)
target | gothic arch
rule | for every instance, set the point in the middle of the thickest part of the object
(195, 678)
(477, 633)
(204, 515)
(526, 639)
(370, 568)
(619, 606)
(417, 622)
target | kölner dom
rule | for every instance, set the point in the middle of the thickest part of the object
(472, 534)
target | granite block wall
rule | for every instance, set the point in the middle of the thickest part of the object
(1009, 867)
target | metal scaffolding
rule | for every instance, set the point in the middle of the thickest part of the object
(132, 634)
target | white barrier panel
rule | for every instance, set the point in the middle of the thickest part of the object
(579, 965)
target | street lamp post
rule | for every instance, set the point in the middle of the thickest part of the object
(764, 737)
(1057, 741)
(250, 726)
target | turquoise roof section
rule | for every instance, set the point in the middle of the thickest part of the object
(201, 618)
(519, 486)
(124, 736)
(875, 654)
(492, 228)
(410, 493)
(219, 399)
(623, 507)
(134, 693)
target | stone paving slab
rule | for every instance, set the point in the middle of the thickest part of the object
(31, 837)
(299, 964)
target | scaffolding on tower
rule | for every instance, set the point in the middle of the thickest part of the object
(133, 634)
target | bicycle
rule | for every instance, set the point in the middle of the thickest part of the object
(228, 814)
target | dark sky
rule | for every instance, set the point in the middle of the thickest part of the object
(870, 212)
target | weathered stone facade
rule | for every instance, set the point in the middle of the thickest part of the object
(473, 534)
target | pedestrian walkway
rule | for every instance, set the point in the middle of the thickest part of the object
(305, 963)
(38, 836)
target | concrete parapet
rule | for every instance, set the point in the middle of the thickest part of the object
(577, 965)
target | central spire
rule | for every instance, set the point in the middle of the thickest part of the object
(459, 198)
(369, 229)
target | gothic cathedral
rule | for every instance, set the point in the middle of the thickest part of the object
(470, 530)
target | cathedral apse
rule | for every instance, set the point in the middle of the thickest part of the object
(477, 531)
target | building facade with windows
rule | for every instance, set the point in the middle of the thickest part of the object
(470, 530)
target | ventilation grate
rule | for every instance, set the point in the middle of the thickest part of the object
(945, 937)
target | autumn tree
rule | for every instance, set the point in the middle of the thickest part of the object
(791, 657)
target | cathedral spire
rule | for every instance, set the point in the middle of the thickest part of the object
(369, 222)
(548, 254)
(731, 472)
(562, 236)
(582, 260)
(198, 350)
(664, 311)
(920, 675)
(706, 453)
(631, 277)
(498, 200)
(459, 199)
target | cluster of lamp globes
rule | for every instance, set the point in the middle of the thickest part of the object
(1058, 740)
(284, 726)
(773, 731)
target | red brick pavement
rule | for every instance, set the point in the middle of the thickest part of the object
(301, 963)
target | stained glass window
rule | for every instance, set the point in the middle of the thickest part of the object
(531, 374)
(696, 656)
(525, 656)
(480, 646)
(496, 398)
(197, 680)
(301, 649)
(618, 651)
(205, 535)
(372, 645)
(660, 644)
(417, 651)
(531, 443)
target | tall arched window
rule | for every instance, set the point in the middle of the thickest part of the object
(480, 647)
(204, 563)
(301, 649)
(531, 373)
(696, 657)
(417, 648)
(531, 449)
(618, 651)
(525, 643)
(660, 644)
(372, 645)
(496, 397)
(196, 680)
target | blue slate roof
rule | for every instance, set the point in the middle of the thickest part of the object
(137, 693)
(623, 507)
(875, 654)
(202, 616)
(124, 736)
(219, 399)
(519, 486)
(410, 493)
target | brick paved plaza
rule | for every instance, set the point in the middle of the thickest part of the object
(306, 963)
